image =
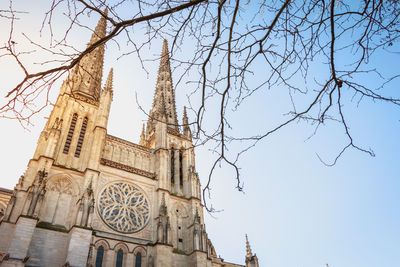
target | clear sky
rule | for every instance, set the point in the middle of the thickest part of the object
(296, 211)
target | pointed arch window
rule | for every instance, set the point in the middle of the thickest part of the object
(70, 134)
(172, 166)
(180, 168)
(120, 258)
(99, 256)
(138, 261)
(81, 137)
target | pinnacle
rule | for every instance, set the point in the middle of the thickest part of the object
(185, 122)
(142, 141)
(163, 206)
(109, 82)
(248, 249)
(185, 117)
(143, 129)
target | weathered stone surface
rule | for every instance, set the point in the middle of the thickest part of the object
(78, 247)
(82, 217)
(48, 248)
(22, 237)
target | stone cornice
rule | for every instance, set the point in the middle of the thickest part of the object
(180, 197)
(122, 237)
(86, 99)
(127, 168)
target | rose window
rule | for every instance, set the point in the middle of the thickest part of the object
(124, 207)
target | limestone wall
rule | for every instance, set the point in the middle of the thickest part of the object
(47, 248)
(127, 153)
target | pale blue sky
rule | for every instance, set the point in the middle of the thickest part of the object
(296, 211)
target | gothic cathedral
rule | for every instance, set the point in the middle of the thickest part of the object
(91, 199)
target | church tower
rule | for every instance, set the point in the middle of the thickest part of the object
(89, 198)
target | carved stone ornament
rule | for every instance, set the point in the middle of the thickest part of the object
(127, 168)
(124, 207)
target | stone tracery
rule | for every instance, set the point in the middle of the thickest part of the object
(124, 207)
(62, 185)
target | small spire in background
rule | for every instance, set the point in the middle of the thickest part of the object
(251, 260)
(142, 141)
(249, 254)
(109, 83)
(186, 128)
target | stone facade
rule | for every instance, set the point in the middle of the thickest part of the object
(91, 199)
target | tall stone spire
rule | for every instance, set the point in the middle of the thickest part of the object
(164, 97)
(85, 78)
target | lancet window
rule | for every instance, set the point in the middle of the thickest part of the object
(138, 262)
(120, 258)
(81, 137)
(70, 133)
(180, 168)
(172, 166)
(99, 256)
